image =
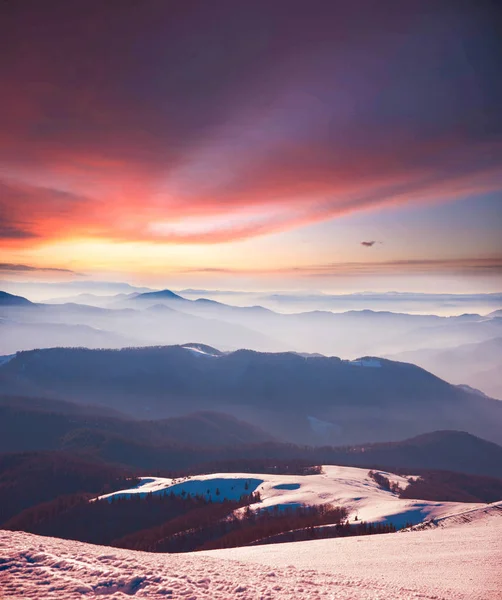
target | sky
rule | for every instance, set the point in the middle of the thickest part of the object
(337, 146)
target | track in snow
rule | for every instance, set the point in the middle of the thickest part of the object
(457, 563)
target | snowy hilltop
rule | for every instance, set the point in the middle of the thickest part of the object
(349, 487)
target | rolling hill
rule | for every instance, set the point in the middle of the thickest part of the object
(28, 424)
(349, 487)
(207, 440)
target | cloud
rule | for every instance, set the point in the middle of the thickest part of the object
(13, 268)
(466, 266)
(314, 114)
(223, 270)
(29, 211)
(12, 232)
(470, 266)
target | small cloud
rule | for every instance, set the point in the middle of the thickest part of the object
(472, 266)
(12, 232)
(13, 268)
(208, 270)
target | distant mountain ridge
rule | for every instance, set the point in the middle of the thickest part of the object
(12, 300)
(162, 294)
(29, 326)
(355, 401)
(166, 318)
(479, 363)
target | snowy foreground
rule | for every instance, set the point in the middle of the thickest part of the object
(459, 561)
(349, 487)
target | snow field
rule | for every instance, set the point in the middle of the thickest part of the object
(349, 487)
(455, 563)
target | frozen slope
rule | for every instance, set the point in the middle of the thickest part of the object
(456, 563)
(342, 486)
(476, 516)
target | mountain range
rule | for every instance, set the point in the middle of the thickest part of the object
(164, 318)
(303, 399)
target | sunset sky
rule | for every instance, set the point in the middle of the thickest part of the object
(252, 144)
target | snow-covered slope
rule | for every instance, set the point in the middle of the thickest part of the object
(342, 486)
(457, 563)
(484, 514)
